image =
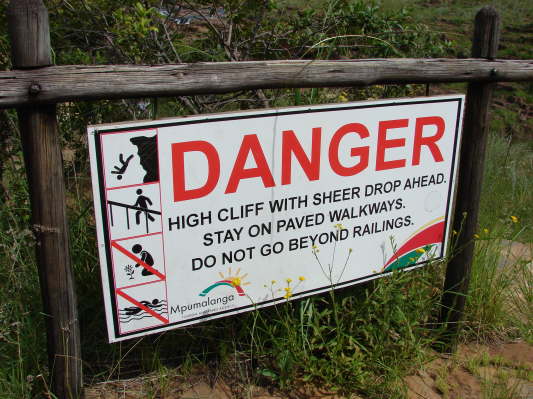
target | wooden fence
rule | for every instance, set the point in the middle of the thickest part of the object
(34, 87)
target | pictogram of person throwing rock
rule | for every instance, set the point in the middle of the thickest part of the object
(137, 249)
(142, 202)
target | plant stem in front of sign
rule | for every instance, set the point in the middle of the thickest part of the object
(345, 264)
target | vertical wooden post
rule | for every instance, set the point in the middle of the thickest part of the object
(30, 43)
(475, 132)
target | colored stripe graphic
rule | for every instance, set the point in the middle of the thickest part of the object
(223, 282)
(143, 307)
(137, 260)
(431, 235)
(409, 259)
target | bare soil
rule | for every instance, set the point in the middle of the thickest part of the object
(475, 371)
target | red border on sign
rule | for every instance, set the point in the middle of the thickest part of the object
(133, 185)
(126, 287)
(139, 236)
(161, 214)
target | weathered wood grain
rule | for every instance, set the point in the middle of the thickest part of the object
(42, 155)
(72, 83)
(472, 158)
(30, 37)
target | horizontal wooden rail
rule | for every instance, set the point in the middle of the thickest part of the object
(76, 82)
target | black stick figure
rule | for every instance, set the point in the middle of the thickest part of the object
(145, 257)
(142, 202)
(119, 170)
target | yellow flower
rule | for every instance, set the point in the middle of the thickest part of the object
(286, 289)
(420, 250)
(514, 219)
(476, 236)
(287, 295)
(486, 231)
(301, 278)
(289, 280)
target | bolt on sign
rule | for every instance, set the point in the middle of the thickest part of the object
(208, 216)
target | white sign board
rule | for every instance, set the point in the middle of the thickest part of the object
(208, 216)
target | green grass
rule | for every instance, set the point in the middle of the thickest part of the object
(508, 189)
(500, 301)
(364, 338)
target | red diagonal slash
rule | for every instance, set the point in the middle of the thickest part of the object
(137, 260)
(143, 307)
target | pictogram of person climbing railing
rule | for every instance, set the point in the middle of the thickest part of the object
(140, 207)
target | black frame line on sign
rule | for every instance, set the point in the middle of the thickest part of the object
(155, 125)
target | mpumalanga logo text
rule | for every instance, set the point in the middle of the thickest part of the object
(202, 304)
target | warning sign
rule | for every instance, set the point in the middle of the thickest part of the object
(208, 216)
